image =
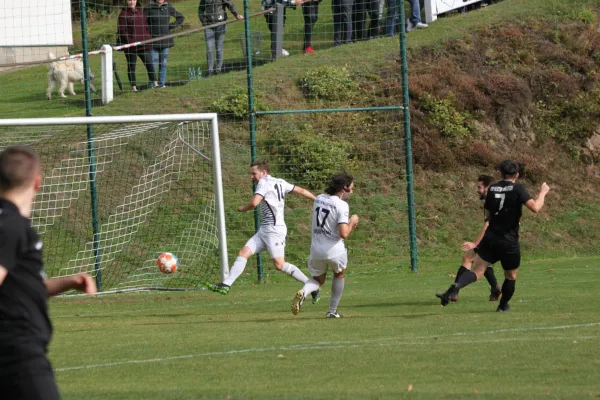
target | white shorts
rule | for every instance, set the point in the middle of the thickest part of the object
(271, 239)
(319, 267)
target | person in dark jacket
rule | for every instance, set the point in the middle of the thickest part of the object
(213, 12)
(159, 14)
(133, 27)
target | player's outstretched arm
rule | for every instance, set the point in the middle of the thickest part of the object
(80, 282)
(256, 199)
(537, 204)
(304, 193)
(471, 245)
(345, 229)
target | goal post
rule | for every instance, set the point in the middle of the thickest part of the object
(118, 191)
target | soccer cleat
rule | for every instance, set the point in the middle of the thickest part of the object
(309, 50)
(504, 308)
(219, 287)
(454, 299)
(316, 296)
(495, 294)
(297, 302)
(333, 315)
(285, 53)
(445, 297)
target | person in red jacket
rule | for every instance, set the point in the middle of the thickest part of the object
(133, 27)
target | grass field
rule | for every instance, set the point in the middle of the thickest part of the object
(395, 340)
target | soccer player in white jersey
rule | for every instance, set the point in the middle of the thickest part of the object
(270, 194)
(331, 224)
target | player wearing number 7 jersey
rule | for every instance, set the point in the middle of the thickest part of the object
(270, 194)
(503, 208)
(331, 224)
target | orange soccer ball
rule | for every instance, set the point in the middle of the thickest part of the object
(167, 263)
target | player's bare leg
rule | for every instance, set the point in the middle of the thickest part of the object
(289, 269)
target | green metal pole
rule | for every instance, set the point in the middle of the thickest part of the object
(408, 145)
(90, 145)
(252, 126)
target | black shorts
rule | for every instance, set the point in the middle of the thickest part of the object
(30, 379)
(493, 249)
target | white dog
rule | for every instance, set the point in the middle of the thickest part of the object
(66, 73)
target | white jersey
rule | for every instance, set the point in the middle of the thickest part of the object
(273, 191)
(328, 212)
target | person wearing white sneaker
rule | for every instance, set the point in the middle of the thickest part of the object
(271, 19)
(414, 21)
(331, 224)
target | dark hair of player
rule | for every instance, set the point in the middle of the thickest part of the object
(486, 179)
(18, 166)
(508, 169)
(341, 181)
(261, 165)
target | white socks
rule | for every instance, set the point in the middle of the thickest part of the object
(337, 288)
(236, 270)
(310, 286)
(294, 272)
(240, 264)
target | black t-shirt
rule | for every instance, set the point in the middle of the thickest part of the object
(504, 202)
(25, 328)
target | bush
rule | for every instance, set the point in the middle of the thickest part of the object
(327, 82)
(235, 103)
(569, 120)
(308, 157)
(442, 114)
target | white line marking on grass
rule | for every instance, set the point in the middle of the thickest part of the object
(352, 345)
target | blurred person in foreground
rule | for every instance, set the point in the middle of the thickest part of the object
(25, 327)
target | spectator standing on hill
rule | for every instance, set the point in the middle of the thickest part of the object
(132, 27)
(414, 21)
(270, 194)
(331, 224)
(342, 21)
(159, 14)
(391, 18)
(212, 12)
(25, 327)
(310, 11)
(470, 248)
(503, 207)
(361, 9)
(271, 19)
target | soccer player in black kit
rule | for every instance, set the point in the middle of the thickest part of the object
(25, 328)
(503, 207)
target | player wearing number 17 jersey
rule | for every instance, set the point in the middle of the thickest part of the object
(503, 206)
(270, 194)
(331, 224)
